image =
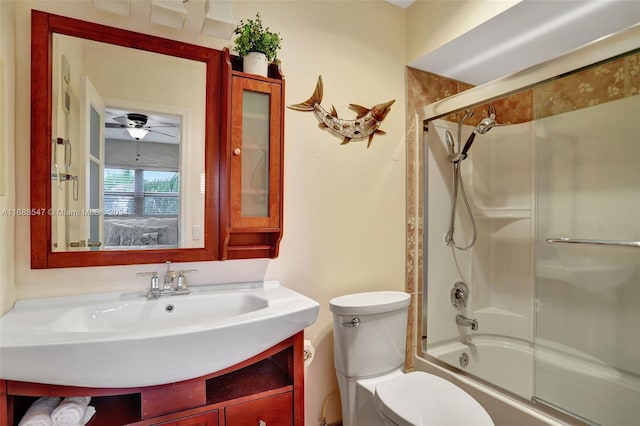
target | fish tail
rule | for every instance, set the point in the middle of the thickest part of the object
(316, 98)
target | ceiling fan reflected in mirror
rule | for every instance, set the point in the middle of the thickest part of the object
(137, 126)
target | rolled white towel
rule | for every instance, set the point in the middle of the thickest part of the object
(71, 411)
(39, 413)
(91, 410)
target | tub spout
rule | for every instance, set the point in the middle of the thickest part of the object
(467, 322)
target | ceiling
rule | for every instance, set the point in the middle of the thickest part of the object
(401, 3)
(525, 35)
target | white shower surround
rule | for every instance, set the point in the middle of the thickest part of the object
(498, 179)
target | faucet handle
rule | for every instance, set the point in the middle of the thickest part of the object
(459, 294)
(181, 282)
(155, 282)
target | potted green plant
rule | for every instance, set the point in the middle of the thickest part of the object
(257, 45)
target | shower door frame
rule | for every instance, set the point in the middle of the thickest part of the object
(600, 50)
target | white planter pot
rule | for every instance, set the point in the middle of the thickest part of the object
(255, 63)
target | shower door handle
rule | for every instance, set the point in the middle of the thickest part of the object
(607, 243)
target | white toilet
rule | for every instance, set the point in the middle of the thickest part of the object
(369, 334)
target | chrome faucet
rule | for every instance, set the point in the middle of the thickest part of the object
(174, 282)
(467, 322)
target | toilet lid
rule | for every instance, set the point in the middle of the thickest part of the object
(373, 302)
(420, 398)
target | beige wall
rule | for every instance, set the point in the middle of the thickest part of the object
(344, 205)
(7, 169)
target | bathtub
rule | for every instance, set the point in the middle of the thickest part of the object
(558, 376)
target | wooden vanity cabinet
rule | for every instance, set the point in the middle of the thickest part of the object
(207, 419)
(271, 411)
(266, 390)
(251, 163)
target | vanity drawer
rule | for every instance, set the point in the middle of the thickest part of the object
(276, 410)
(206, 419)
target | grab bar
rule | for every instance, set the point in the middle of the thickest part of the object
(608, 243)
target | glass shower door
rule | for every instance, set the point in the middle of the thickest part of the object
(587, 284)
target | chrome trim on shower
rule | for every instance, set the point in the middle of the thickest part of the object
(459, 295)
(607, 243)
(472, 323)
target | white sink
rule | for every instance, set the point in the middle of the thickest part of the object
(123, 340)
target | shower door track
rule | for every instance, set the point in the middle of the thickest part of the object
(608, 243)
(542, 402)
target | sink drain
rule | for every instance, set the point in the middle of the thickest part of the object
(464, 359)
(169, 308)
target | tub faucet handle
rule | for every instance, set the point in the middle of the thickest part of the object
(459, 295)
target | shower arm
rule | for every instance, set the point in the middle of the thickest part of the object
(467, 114)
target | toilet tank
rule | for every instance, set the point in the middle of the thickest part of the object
(377, 344)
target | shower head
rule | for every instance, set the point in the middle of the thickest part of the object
(483, 127)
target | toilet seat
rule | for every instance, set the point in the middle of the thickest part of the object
(419, 398)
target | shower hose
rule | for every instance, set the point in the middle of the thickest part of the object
(457, 183)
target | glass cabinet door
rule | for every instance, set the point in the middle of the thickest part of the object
(255, 152)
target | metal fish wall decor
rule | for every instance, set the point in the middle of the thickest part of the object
(366, 124)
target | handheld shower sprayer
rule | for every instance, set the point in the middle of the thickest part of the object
(456, 158)
(451, 145)
(483, 127)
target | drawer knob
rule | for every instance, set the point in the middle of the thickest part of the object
(262, 423)
(237, 151)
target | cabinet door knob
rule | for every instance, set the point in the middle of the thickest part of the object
(262, 423)
(237, 151)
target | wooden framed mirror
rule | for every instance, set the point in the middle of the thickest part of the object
(104, 198)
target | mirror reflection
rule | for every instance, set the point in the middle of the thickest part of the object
(128, 150)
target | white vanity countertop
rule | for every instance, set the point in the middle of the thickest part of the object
(124, 340)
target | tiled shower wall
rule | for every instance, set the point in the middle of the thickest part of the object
(612, 80)
(422, 89)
